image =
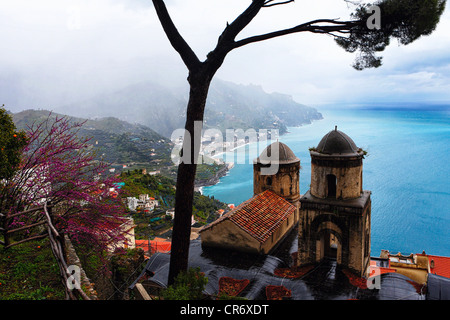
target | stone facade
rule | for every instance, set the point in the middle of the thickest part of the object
(286, 181)
(255, 226)
(342, 223)
(346, 173)
(273, 210)
(334, 218)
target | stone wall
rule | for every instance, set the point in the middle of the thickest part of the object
(348, 221)
(286, 183)
(72, 259)
(347, 171)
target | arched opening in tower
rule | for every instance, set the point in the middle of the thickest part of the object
(328, 245)
(331, 244)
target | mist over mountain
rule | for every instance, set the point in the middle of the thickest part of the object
(229, 106)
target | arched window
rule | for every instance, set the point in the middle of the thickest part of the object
(331, 181)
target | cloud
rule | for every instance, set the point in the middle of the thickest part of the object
(57, 52)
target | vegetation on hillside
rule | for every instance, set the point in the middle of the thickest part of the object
(163, 189)
(122, 144)
(12, 142)
(115, 141)
(30, 272)
(208, 174)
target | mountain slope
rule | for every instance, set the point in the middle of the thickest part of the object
(247, 106)
(117, 141)
(229, 106)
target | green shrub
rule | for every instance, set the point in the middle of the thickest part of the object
(187, 286)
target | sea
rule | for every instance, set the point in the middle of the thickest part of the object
(406, 169)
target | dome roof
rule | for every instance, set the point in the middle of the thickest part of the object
(285, 154)
(337, 142)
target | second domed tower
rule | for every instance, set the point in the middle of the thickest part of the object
(284, 177)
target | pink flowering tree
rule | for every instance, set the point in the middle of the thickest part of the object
(58, 169)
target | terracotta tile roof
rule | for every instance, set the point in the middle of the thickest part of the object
(439, 265)
(143, 244)
(160, 245)
(153, 246)
(259, 216)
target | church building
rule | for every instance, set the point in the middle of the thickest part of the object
(259, 224)
(333, 217)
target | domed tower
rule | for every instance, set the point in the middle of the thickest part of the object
(335, 212)
(336, 167)
(278, 169)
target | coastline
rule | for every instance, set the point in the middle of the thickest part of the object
(416, 199)
(215, 180)
(230, 165)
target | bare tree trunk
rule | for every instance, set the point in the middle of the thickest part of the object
(184, 195)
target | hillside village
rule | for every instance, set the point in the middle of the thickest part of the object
(140, 159)
(147, 190)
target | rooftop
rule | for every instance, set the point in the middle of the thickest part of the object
(259, 216)
(356, 205)
(277, 152)
(337, 142)
(155, 245)
(439, 265)
(324, 281)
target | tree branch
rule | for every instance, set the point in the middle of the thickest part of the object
(333, 26)
(233, 29)
(226, 40)
(267, 3)
(178, 43)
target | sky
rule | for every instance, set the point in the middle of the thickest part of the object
(56, 52)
